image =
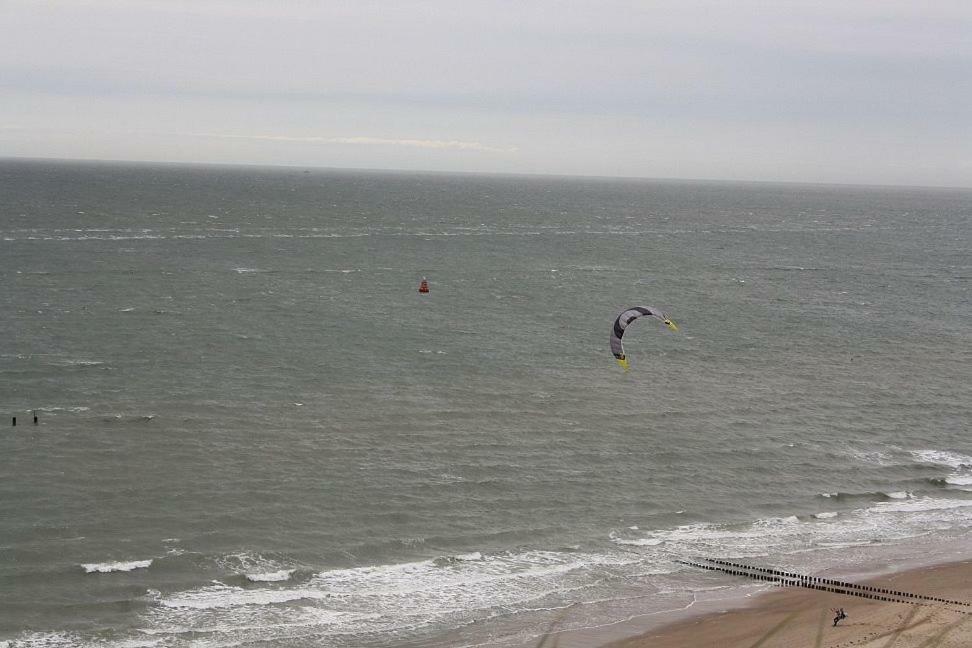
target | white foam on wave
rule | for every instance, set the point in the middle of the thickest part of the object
(271, 577)
(246, 562)
(943, 458)
(69, 362)
(213, 597)
(71, 640)
(776, 521)
(387, 599)
(122, 566)
(876, 457)
(400, 600)
(960, 463)
(919, 505)
(44, 640)
(894, 520)
(900, 495)
(639, 542)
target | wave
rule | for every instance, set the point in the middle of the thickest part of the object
(218, 596)
(451, 560)
(31, 639)
(387, 599)
(639, 542)
(920, 505)
(960, 464)
(271, 577)
(874, 457)
(897, 516)
(246, 563)
(943, 458)
(123, 418)
(269, 602)
(874, 496)
(123, 566)
(68, 362)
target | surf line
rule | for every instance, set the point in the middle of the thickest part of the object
(791, 579)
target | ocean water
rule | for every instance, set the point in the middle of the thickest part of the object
(254, 431)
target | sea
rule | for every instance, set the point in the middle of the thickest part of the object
(253, 430)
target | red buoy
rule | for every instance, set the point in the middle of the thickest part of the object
(424, 286)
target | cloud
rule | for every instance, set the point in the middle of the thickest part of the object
(372, 141)
(818, 90)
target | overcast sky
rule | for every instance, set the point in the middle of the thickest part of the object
(825, 91)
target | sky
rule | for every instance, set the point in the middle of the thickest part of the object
(857, 92)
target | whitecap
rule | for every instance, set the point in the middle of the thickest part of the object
(123, 566)
(44, 640)
(78, 363)
(411, 542)
(919, 505)
(639, 542)
(876, 457)
(826, 515)
(271, 577)
(944, 458)
(224, 596)
(776, 521)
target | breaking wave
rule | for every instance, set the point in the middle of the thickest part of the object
(271, 577)
(123, 566)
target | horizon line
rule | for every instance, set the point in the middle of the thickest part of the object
(579, 176)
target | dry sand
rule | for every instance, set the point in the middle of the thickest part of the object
(802, 618)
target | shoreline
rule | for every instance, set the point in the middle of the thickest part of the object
(802, 618)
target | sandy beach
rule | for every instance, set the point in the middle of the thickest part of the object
(803, 618)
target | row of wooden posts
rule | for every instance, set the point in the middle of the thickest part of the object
(791, 579)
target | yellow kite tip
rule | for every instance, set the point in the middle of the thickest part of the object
(671, 324)
(623, 362)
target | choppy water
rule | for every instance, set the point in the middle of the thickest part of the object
(253, 430)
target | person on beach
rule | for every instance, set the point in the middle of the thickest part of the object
(839, 616)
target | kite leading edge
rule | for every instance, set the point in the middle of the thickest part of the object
(625, 318)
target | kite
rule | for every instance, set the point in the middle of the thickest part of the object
(625, 318)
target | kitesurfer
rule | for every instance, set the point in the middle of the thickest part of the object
(840, 616)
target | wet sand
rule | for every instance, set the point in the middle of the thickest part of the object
(802, 618)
